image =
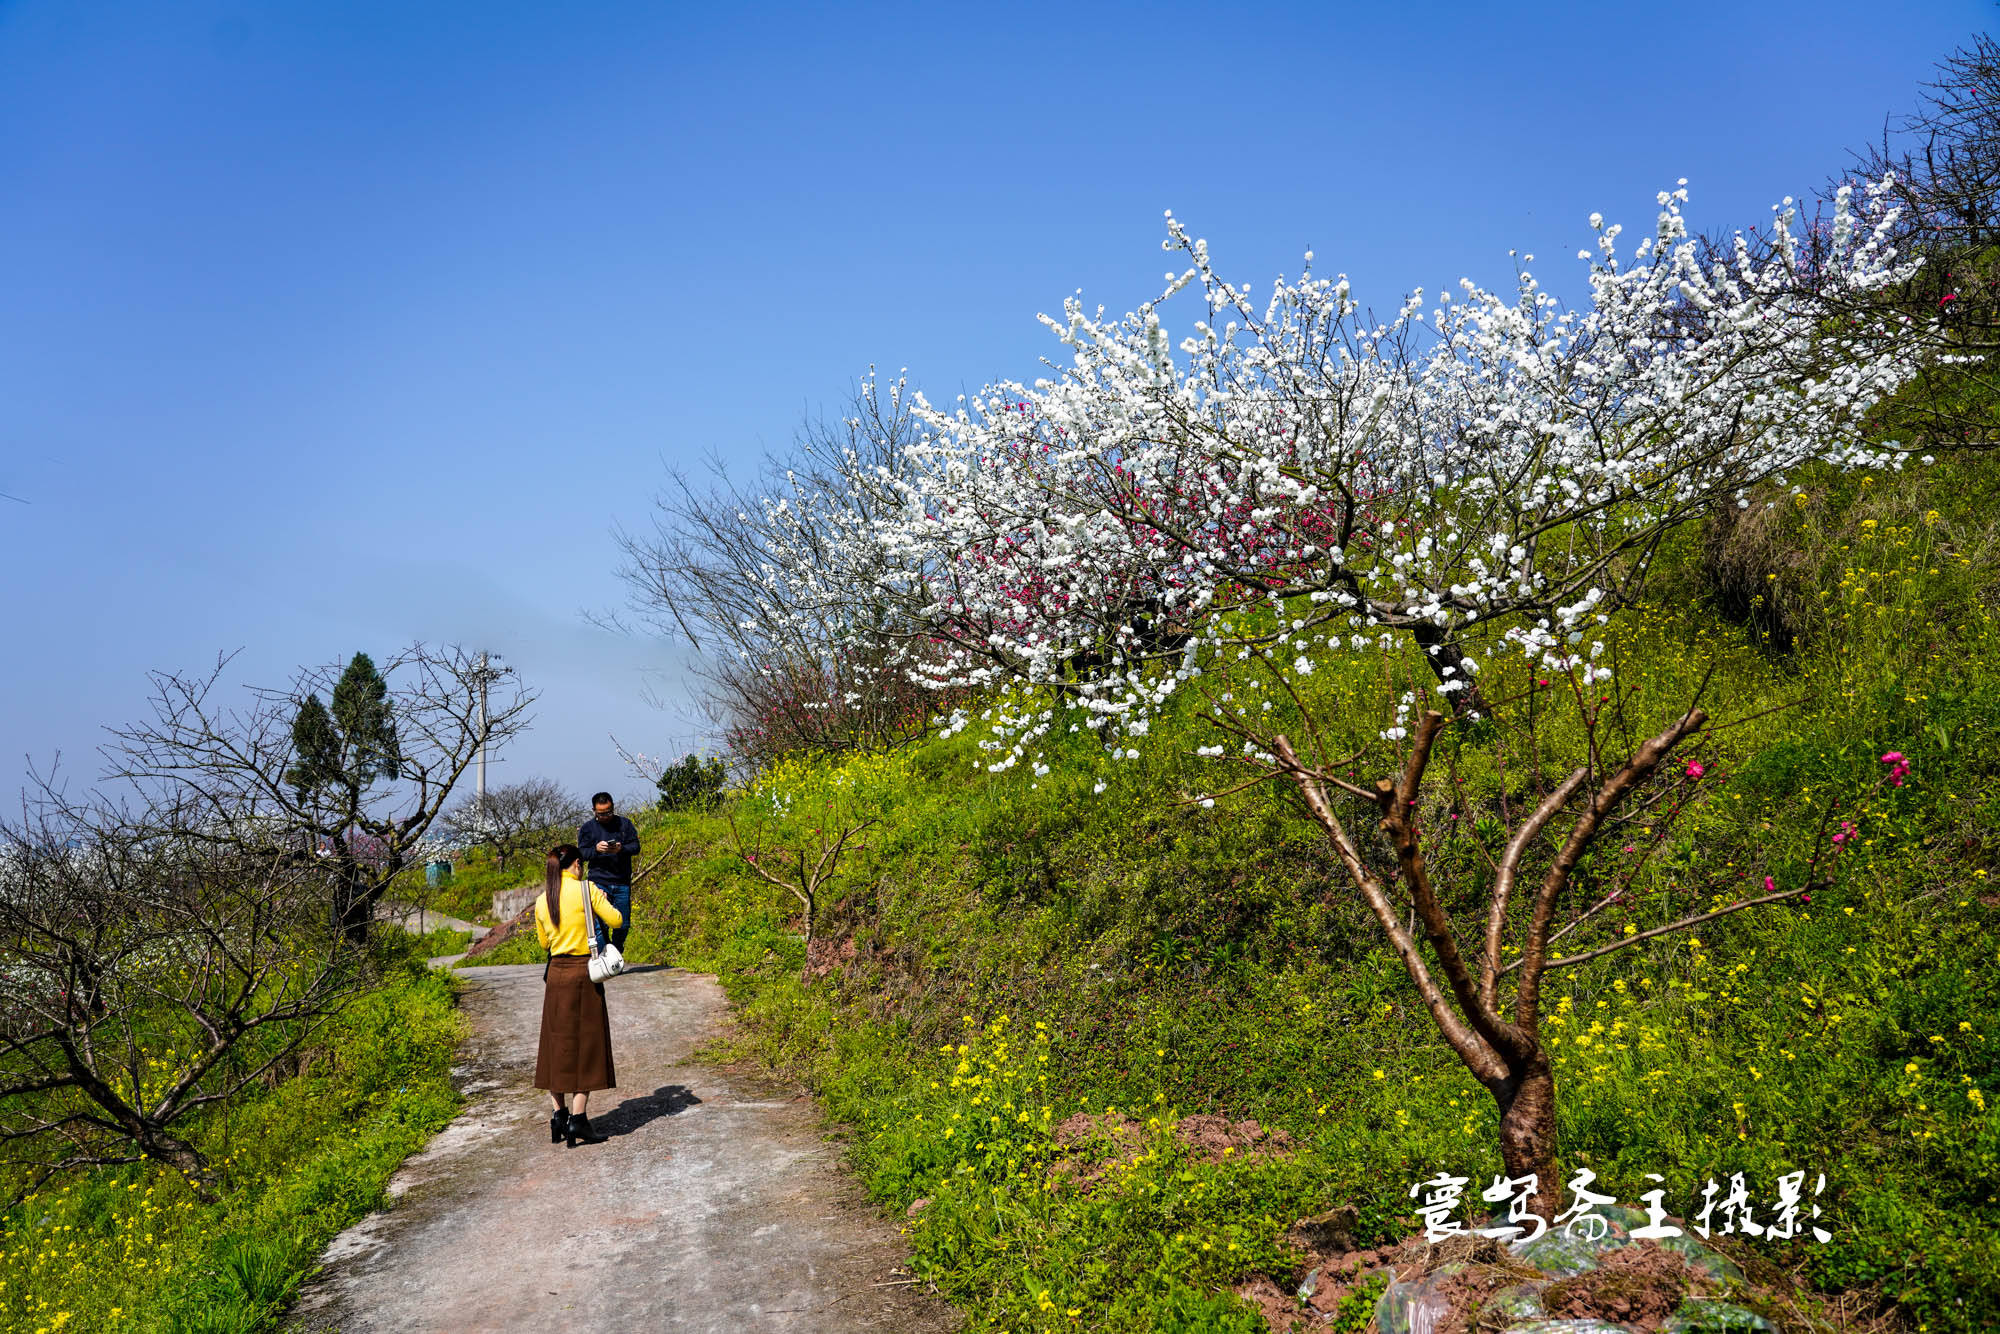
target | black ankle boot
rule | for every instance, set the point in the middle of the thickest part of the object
(558, 1125)
(581, 1133)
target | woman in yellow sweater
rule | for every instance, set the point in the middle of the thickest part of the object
(574, 1058)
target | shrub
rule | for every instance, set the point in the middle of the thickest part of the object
(692, 785)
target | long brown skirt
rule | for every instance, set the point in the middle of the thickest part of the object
(575, 1052)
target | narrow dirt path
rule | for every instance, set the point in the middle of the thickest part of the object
(716, 1205)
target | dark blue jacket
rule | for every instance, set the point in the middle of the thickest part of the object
(609, 868)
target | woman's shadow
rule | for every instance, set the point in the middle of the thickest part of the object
(629, 1115)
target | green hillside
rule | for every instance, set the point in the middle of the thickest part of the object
(1007, 950)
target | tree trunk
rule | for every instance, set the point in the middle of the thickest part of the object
(183, 1158)
(1440, 652)
(1528, 1132)
(805, 972)
(353, 907)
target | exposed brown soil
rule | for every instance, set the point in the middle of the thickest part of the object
(823, 956)
(1278, 1307)
(1212, 1138)
(499, 935)
(1639, 1285)
(1121, 1141)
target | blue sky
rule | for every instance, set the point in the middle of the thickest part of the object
(328, 326)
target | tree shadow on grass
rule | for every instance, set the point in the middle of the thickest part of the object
(631, 1114)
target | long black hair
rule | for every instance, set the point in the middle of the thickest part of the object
(561, 858)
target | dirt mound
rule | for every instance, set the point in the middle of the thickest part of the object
(823, 956)
(1468, 1284)
(1211, 1138)
(501, 934)
(1639, 1286)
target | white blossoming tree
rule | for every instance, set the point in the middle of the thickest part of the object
(1481, 479)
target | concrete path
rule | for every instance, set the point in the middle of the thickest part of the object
(420, 921)
(716, 1205)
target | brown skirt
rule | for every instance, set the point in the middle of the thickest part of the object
(575, 1052)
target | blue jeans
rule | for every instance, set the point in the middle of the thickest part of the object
(621, 899)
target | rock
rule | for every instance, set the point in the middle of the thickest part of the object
(1330, 1233)
(917, 1206)
(1522, 1301)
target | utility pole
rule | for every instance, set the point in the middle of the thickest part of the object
(485, 676)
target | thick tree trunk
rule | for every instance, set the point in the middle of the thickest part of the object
(1528, 1132)
(147, 1134)
(1440, 653)
(353, 908)
(183, 1158)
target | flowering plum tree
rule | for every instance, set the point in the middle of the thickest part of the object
(1489, 477)
(827, 675)
(1477, 483)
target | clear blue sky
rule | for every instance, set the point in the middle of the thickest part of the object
(327, 326)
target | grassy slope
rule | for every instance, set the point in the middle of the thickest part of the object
(132, 1249)
(1026, 948)
(468, 894)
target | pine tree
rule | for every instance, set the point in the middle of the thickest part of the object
(341, 754)
(355, 744)
(317, 746)
(367, 721)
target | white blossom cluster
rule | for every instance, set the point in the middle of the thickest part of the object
(1483, 473)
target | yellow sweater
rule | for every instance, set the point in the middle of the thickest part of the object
(569, 938)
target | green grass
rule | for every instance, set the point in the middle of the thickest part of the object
(1026, 949)
(468, 892)
(519, 948)
(131, 1248)
(443, 941)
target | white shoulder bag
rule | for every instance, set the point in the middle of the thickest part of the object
(605, 960)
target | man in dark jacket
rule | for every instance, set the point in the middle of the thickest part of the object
(608, 843)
